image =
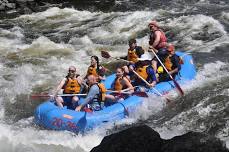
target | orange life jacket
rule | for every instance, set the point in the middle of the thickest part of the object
(92, 71)
(102, 92)
(118, 86)
(143, 72)
(132, 56)
(71, 86)
(168, 63)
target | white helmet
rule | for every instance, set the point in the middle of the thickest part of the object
(145, 56)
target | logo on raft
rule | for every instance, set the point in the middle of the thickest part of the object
(59, 123)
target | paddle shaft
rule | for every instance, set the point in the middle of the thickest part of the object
(65, 95)
(149, 86)
(161, 63)
(147, 83)
(120, 59)
(117, 92)
(59, 95)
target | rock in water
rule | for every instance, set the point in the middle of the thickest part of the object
(135, 139)
(194, 142)
(145, 139)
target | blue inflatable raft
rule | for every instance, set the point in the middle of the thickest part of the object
(50, 116)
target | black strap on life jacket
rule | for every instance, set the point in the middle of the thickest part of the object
(66, 82)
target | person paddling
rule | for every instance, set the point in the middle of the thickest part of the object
(157, 42)
(134, 53)
(172, 64)
(71, 84)
(145, 71)
(121, 84)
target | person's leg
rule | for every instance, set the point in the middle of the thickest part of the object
(59, 102)
(110, 97)
(75, 101)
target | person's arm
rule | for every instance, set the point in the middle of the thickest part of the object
(59, 87)
(123, 57)
(94, 90)
(80, 81)
(152, 77)
(157, 38)
(101, 73)
(175, 61)
(129, 88)
(176, 64)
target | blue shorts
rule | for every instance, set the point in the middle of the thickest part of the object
(67, 101)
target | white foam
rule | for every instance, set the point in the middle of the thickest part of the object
(188, 26)
(81, 41)
(106, 28)
(210, 72)
(42, 47)
(11, 39)
(186, 120)
(36, 140)
(53, 12)
(124, 26)
(223, 134)
(225, 17)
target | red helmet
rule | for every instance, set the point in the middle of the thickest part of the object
(153, 23)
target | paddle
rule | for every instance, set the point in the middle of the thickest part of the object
(174, 81)
(106, 55)
(147, 83)
(137, 93)
(59, 95)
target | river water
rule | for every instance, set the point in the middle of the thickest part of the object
(36, 50)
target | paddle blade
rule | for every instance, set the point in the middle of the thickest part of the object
(178, 87)
(105, 54)
(140, 94)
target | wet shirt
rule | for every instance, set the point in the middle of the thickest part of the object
(151, 75)
(93, 93)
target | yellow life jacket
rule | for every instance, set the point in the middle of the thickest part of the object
(71, 86)
(142, 72)
(168, 63)
(92, 71)
(132, 56)
(102, 90)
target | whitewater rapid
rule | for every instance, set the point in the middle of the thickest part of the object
(37, 49)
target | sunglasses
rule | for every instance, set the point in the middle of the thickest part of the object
(72, 71)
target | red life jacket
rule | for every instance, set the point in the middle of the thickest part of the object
(163, 40)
